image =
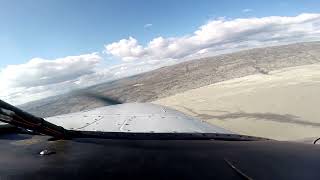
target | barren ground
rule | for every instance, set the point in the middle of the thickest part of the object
(283, 104)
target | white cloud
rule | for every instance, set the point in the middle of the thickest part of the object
(38, 77)
(147, 25)
(127, 49)
(38, 71)
(246, 10)
(209, 38)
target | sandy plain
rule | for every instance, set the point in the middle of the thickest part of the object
(283, 104)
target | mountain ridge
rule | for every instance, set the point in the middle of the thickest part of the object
(170, 80)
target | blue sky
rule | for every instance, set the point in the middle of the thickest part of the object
(57, 28)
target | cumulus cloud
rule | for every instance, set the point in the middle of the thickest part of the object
(39, 78)
(40, 71)
(210, 37)
(39, 75)
(127, 49)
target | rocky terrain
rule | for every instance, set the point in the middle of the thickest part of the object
(179, 78)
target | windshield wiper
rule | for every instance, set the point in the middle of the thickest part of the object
(17, 117)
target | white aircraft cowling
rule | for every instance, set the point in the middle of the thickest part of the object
(134, 117)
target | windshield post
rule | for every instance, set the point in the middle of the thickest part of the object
(17, 117)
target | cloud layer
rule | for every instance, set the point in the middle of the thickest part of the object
(39, 77)
(220, 33)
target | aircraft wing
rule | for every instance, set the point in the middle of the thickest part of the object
(134, 117)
